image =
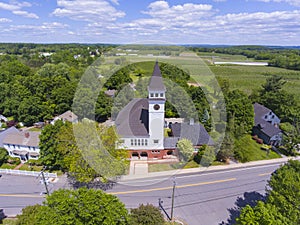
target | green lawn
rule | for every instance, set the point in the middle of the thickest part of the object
(159, 167)
(31, 168)
(247, 149)
(35, 129)
(9, 221)
(7, 166)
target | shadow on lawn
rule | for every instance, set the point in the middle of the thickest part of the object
(249, 198)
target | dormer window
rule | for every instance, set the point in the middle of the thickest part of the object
(156, 95)
(162, 95)
(151, 95)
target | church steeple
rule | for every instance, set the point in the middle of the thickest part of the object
(156, 88)
(156, 109)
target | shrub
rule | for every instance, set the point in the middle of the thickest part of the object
(34, 162)
(13, 160)
(3, 156)
(146, 215)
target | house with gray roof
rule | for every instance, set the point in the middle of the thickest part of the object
(141, 124)
(266, 125)
(22, 144)
(195, 132)
(4, 133)
(66, 116)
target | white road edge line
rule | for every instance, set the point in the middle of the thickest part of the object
(143, 180)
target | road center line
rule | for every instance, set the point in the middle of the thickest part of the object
(170, 187)
(22, 195)
(264, 174)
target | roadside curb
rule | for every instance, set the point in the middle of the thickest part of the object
(207, 169)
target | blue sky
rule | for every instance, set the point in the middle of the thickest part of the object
(263, 22)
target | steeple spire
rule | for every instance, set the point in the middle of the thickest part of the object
(156, 81)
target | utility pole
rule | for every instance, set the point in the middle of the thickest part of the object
(172, 207)
(44, 181)
(173, 194)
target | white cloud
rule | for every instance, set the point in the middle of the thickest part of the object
(88, 10)
(16, 8)
(208, 27)
(47, 27)
(185, 12)
(25, 14)
(291, 2)
(5, 20)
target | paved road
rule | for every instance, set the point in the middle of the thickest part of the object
(202, 198)
(16, 192)
(205, 198)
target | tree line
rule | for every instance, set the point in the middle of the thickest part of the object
(287, 58)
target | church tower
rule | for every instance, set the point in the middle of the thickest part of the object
(156, 100)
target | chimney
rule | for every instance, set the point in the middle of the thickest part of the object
(191, 121)
(27, 134)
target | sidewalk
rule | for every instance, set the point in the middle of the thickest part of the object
(206, 169)
(139, 168)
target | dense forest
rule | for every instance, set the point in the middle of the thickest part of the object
(38, 81)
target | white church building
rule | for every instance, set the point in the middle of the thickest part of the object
(141, 124)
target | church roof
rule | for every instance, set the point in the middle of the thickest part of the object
(196, 133)
(133, 119)
(156, 81)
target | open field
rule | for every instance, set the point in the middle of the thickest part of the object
(248, 78)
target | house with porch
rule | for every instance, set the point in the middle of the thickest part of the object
(266, 125)
(22, 144)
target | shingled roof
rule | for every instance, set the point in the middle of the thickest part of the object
(4, 133)
(133, 119)
(25, 138)
(156, 81)
(196, 133)
(68, 116)
(260, 111)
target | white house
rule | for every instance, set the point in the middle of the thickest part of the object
(22, 144)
